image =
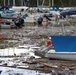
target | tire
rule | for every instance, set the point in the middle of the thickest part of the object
(19, 22)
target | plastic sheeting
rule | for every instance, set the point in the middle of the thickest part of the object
(64, 43)
(68, 12)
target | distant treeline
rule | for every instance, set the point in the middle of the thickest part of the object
(33, 3)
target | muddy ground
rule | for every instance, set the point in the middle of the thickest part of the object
(37, 36)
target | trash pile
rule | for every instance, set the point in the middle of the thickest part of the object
(36, 36)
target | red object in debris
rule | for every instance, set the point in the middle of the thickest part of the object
(44, 19)
(1, 36)
(49, 42)
(0, 20)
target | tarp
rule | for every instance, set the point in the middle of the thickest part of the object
(68, 12)
(64, 43)
(53, 8)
